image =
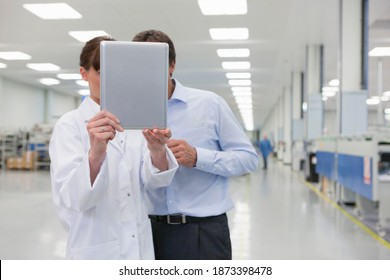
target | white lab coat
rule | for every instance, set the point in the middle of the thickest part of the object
(107, 220)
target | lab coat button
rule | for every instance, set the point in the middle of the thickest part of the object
(133, 235)
(128, 194)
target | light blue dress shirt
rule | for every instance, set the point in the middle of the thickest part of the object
(206, 122)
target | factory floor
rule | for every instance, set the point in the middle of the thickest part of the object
(277, 216)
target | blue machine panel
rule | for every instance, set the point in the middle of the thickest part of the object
(326, 164)
(355, 173)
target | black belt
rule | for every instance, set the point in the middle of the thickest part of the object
(179, 219)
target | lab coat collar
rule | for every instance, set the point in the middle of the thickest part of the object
(88, 108)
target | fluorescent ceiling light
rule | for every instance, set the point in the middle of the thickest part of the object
(241, 89)
(249, 125)
(380, 51)
(242, 93)
(53, 11)
(324, 98)
(334, 83)
(69, 76)
(84, 36)
(243, 99)
(247, 112)
(386, 93)
(385, 98)
(238, 75)
(236, 65)
(84, 92)
(14, 56)
(333, 89)
(328, 93)
(372, 101)
(82, 83)
(49, 81)
(304, 106)
(229, 33)
(2, 65)
(223, 7)
(233, 52)
(43, 66)
(240, 82)
(387, 111)
(245, 106)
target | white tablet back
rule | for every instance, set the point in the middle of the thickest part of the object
(134, 82)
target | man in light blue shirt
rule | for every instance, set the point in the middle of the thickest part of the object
(189, 216)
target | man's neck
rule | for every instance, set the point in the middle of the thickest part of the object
(171, 88)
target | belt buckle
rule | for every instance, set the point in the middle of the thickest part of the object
(183, 219)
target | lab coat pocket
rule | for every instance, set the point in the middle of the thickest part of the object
(146, 240)
(105, 251)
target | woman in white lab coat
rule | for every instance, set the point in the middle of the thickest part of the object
(98, 173)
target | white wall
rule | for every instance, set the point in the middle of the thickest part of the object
(330, 121)
(22, 106)
(59, 104)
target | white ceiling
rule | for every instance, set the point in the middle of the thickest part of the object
(279, 31)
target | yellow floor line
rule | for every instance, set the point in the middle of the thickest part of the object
(349, 216)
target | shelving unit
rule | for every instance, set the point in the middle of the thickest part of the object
(8, 147)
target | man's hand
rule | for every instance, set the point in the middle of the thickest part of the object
(184, 153)
(156, 140)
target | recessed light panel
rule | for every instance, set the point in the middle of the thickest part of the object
(53, 11)
(229, 33)
(69, 76)
(82, 83)
(84, 36)
(43, 66)
(233, 52)
(223, 7)
(84, 92)
(240, 82)
(380, 51)
(14, 56)
(49, 81)
(236, 65)
(241, 89)
(238, 75)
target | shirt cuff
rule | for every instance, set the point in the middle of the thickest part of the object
(205, 159)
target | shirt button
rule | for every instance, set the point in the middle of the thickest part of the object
(121, 141)
(170, 201)
(133, 235)
(128, 194)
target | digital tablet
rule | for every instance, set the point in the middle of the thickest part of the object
(134, 82)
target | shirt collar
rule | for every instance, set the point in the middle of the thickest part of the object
(179, 93)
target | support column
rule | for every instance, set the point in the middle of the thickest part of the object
(287, 125)
(314, 116)
(1, 101)
(281, 127)
(351, 106)
(297, 123)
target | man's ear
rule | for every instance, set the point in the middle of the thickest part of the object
(172, 68)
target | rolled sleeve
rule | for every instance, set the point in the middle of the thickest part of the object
(155, 178)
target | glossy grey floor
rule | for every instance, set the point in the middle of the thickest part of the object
(276, 217)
